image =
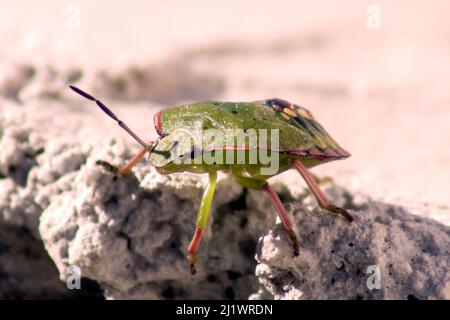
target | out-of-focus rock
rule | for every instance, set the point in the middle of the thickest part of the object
(386, 253)
(13, 78)
(27, 272)
(168, 83)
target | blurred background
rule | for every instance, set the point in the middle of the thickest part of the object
(375, 73)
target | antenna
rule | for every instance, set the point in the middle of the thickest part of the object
(111, 114)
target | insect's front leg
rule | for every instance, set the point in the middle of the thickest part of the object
(202, 220)
(125, 169)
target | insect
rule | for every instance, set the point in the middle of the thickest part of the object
(302, 143)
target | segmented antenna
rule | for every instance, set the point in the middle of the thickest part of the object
(111, 114)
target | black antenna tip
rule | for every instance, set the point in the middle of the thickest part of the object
(99, 103)
(106, 110)
(109, 113)
(82, 93)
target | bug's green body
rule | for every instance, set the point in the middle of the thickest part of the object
(301, 143)
(300, 135)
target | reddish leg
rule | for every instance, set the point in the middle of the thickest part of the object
(287, 223)
(320, 196)
(125, 169)
(192, 249)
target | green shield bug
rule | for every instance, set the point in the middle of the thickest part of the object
(208, 137)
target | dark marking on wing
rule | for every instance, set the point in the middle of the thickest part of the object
(325, 147)
(278, 104)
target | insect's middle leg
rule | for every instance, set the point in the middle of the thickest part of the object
(287, 223)
(202, 220)
(260, 184)
(320, 196)
(125, 169)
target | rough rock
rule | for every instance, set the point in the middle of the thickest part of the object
(339, 260)
(30, 179)
(131, 234)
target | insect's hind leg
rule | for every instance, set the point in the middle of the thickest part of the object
(202, 220)
(125, 169)
(320, 196)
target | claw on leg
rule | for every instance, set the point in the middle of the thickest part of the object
(108, 167)
(332, 208)
(192, 257)
(294, 240)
